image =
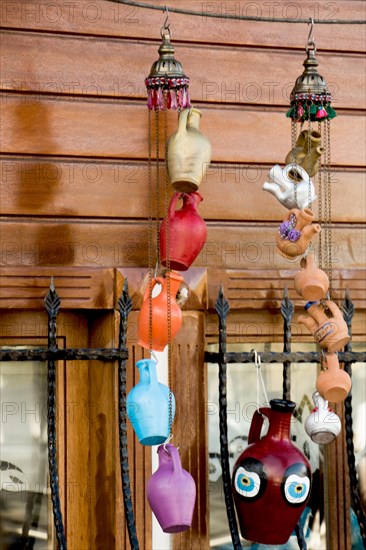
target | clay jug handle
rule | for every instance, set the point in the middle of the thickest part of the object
(182, 122)
(153, 283)
(177, 465)
(173, 203)
(257, 423)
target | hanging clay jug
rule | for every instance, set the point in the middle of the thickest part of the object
(307, 152)
(322, 424)
(295, 232)
(187, 232)
(188, 153)
(159, 329)
(271, 478)
(330, 331)
(171, 492)
(282, 184)
(334, 383)
(148, 406)
(311, 282)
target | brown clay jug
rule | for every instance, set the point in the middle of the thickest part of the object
(311, 282)
(307, 152)
(333, 384)
(329, 330)
(188, 153)
(296, 231)
(159, 329)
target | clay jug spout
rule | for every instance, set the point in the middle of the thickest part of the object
(333, 384)
(307, 151)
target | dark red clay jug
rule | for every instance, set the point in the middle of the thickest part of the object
(271, 478)
(188, 232)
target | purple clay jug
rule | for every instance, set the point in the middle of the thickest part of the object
(171, 492)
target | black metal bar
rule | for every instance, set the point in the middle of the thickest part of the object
(68, 354)
(287, 311)
(300, 536)
(277, 357)
(348, 310)
(52, 305)
(222, 309)
(124, 306)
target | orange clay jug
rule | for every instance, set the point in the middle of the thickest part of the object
(311, 282)
(296, 231)
(159, 329)
(326, 324)
(333, 384)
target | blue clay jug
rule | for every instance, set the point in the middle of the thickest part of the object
(148, 406)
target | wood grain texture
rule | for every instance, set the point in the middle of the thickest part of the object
(115, 128)
(124, 244)
(111, 189)
(103, 18)
(118, 68)
(24, 288)
(190, 430)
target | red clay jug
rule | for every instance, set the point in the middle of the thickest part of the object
(271, 478)
(188, 232)
(159, 329)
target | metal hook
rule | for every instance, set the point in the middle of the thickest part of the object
(166, 26)
(311, 40)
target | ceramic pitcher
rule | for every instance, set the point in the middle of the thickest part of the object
(188, 153)
(322, 424)
(148, 406)
(281, 183)
(307, 152)
(159, 329)
(329, 330)
(333, 383)
(271, 478)
(296, 231)
(311, 282)
(171, 492)
(187, 232)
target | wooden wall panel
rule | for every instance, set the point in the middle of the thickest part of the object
(111, 189)
(117, 68)
(100, 128)
(107, 19)
(110, 244)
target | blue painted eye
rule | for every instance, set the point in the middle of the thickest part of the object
(247, 483)
(297, 489)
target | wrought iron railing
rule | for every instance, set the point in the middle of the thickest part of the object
(52, 354)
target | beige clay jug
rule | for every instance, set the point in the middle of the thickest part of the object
(295, 232)
(189, 153)
(307, 152)
(311, 282)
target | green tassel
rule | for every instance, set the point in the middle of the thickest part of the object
(291, 112)
(331, 112)
(313, 109)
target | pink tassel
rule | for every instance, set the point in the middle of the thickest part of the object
(173, 100)
(321, 113)
(168, 100)
(160, 100)
(149, 99)
(300, 112)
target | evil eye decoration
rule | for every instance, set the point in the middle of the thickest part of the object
(296, 484)
(250, 479)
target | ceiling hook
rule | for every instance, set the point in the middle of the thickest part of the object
(310, 41)
(166, 26)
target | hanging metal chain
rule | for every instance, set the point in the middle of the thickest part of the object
(150, 229)
(293, 145)
(329, 205)
(320, 206)
(167, 263)
(157, 180)
(52, 305)
(309, 148)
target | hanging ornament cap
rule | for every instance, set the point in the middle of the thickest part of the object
(167, 85)
(310, 97)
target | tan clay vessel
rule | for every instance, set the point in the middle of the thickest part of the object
(307, 152)
(296, 232)
(331, 331)
(333, 384)
(311, 282)
(189, 153)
